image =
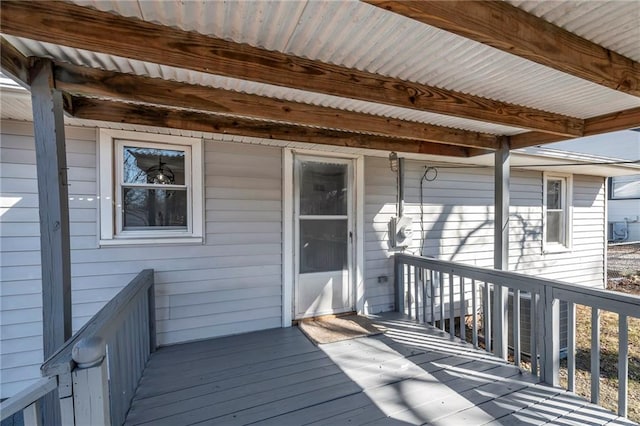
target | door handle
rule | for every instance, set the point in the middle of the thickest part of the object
(350, 236)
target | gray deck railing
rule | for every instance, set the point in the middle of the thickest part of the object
(97, 371)
(433, 291)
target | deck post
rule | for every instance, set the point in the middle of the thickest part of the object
(501, 245)
(90, 383)
(51, 163)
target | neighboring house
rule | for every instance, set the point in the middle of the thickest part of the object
(223, 274)
(623, 209)
(254, 175)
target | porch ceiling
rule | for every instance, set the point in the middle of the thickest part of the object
(443, 78)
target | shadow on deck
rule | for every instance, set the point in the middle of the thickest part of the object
(412, 374)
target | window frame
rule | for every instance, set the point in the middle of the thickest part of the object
(611, 192)
(567, 209)
(110, 158)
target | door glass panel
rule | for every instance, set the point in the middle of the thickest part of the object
(323, 245)
(323, 189)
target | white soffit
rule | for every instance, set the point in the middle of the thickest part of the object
(361, 36)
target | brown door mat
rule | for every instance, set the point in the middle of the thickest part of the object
(329, 330)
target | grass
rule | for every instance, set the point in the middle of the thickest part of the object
(608, 355)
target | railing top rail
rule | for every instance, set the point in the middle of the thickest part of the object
(99, 325)
(612, 301)
(27, 396)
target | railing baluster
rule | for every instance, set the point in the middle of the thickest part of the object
(623, 364)
(486, 317)
(409, 291)
(416, 285)
(398, 269)
(533, 333)
(516, 328)
(571, 347)
(463, 310)
(452, 309)
(595, 355)
(441, 277)
(432, 286)
(424, 275)
(474, 318)
(551, 337)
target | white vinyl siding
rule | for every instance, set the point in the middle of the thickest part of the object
(458, 224)
(230, 285)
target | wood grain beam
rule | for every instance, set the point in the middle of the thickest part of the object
(508, 28)
(156, 116)
(14, 63)
(93, 82)
(84, 28)
(613, 122)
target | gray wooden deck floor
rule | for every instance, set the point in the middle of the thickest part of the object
(412, 374)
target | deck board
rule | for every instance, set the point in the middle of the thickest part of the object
(412, 374)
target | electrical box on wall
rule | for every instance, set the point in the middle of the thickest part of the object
(400, 231)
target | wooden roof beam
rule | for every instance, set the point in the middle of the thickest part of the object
(613, 122)
(156, 116)
(85, 28)
(133, 88)
(14, 63)
(508, 28)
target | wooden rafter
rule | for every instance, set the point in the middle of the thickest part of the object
(149, 115)
(621, 120)
(81, 27)
(506, 27)
(14, 63)
(93, 82)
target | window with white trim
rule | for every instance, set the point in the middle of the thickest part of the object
(150, 188)
(557, 196)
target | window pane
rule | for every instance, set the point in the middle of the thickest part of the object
(554, 194)
(625, 186)
(323, 245)
(145, 208)
(555, 227)
(151, 165)
(323, 189)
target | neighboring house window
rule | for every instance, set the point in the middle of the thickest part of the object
(624, 187)
(150, 188)
(557, 195)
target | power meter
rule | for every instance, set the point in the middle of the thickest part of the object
(400, 231)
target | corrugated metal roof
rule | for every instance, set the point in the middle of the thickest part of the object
(358, 35)
(361, 36)
(613, 24)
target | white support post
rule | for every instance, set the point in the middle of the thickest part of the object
(501, 246)
(90, 383)
(551, 339)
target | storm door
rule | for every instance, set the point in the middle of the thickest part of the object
(323, 235)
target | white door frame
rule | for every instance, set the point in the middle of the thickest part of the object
(288, 229)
